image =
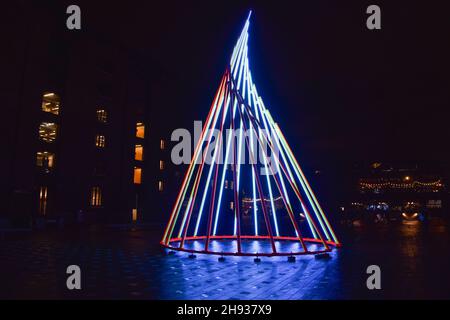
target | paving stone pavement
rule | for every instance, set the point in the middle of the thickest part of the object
(116, 264)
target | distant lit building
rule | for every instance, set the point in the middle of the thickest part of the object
(397, 191)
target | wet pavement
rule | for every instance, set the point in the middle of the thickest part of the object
(414, 259)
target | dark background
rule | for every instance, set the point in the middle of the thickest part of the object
(340, 91)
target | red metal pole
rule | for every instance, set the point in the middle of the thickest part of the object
(213, 194)
(291, 214)
(258, 183)
(196, 185)
(236, 196)
(171, 223)
(294, 188)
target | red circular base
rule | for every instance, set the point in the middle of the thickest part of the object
(266, 239)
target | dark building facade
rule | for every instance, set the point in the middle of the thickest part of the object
(82, 139)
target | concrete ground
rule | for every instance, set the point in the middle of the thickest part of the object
(124, 264)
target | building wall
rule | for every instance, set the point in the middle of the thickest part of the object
(88, 71)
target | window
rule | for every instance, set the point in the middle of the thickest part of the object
(100, 169)
(106, 66)
(229, 184)
(102, 115)
(160, 186)
(134, 215)
(161, 164)
(138, 152)
(100, 141)
(96, 197)
(47, 131)
(43, 192)
(105, 89)
(50, 102)
(162, 144)
(231, 205)
(137, 177)
(45, 159)
(435, 204)
(140, 130)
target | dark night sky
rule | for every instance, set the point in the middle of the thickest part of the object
(339, 91)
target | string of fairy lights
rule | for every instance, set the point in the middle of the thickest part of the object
(403, 185)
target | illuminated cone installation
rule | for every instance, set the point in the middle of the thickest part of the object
(244, 192)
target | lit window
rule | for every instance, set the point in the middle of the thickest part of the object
(47, 131)
(96, 197)
(160, 186)
(43, 200)
(45, 159)
(100, 141)
(231, 205)
(138, 152)
(161, 165)
(50, 102)
(376, 165)
(134, 215)
(162, 144)
(137, 177)
(102, 115)
(226, 184)
(140, 130)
